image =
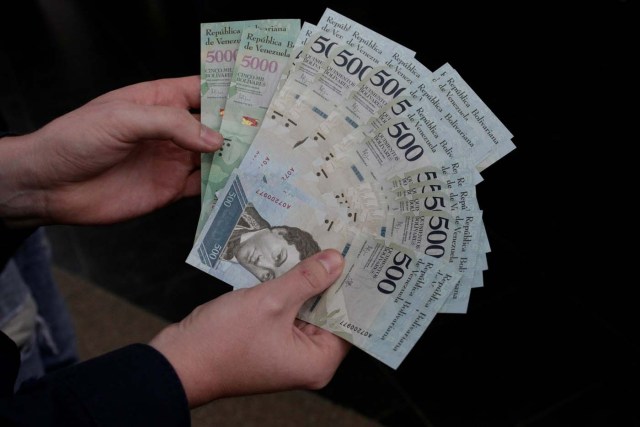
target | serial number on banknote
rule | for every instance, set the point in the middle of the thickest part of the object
(356, 329)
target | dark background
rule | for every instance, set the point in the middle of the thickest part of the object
(549, 340)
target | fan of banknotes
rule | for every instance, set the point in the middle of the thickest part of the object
(337, 137)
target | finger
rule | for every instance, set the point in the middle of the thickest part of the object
(192, 185)
(196, 159)
(334, 349)
(305, 327)
(179, 92)
(332, 343)
(307, 279)
(184, 90)
(329, 348)
(141, 122)
(300, 324)
(324, 338)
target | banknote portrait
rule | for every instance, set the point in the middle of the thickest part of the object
(264, 250)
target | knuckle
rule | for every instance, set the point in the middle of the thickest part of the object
(313, 275)
(320, 379)
(271, 303)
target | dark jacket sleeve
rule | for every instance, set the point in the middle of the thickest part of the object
(9, 364)
(10, 241)
(132, 386)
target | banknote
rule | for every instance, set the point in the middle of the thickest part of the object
(461, 170)
(246, 238)
(469, 107)
(306, 31)
(433, 227)
(426, 200)
(382, 303)
(384, 300)
(415, 139)
(336, 33)
(349, 67)
(350, 89)
(356, 103)
(420, 132)
(438, 109)
(291, 154)
(337, 24)
(315, 54)
(364, 101)
(219, 43)
(262, 57)
(439, 237)
(359, 147)
(454, 182)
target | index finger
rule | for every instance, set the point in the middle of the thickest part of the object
(175, 92)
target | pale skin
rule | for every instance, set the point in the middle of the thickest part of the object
(258, 345)
(134, 150)
(119, 156)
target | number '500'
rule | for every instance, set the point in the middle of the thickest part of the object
(262, 64)
(394, 272)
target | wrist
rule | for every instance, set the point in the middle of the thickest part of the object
(194, 374)
(22, 199)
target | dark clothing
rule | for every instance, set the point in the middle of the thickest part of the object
(33, 312)
(10, 241)
(132, 386)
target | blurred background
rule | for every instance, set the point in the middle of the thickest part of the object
(550, 339)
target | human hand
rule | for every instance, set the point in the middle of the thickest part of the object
(249, 341)
(119, 156)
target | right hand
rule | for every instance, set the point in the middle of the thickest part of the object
(121, 155)
(249, 341)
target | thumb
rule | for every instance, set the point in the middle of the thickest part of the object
(140, 122)
(307, 279)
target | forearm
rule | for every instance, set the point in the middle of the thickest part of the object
(22, 198)
(132, 386)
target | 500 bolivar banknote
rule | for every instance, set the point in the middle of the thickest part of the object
(382, 303)
(342, 139)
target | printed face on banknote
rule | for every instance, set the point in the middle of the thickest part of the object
(267, 251)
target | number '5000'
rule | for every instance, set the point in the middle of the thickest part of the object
(262, 64)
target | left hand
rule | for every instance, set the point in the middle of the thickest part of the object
(119, 156)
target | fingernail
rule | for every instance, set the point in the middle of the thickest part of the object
(210, 137)
(331, 260)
